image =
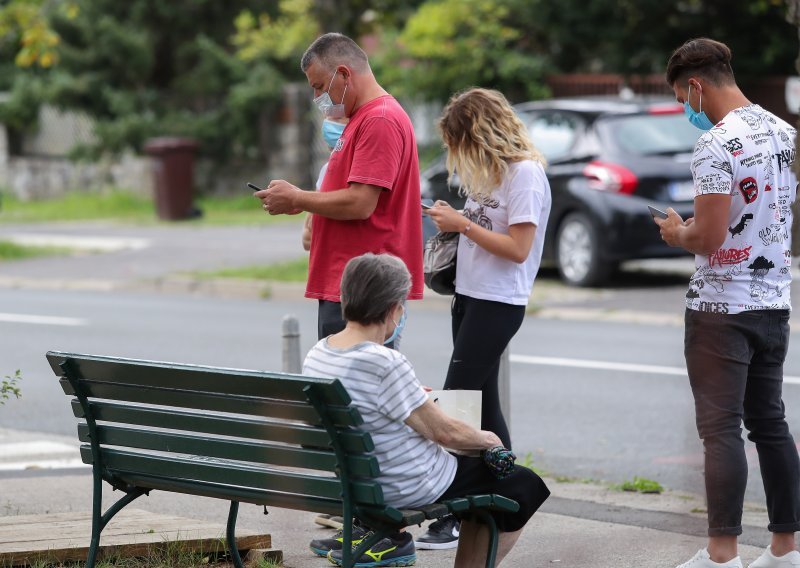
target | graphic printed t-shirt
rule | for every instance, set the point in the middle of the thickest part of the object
(378, 148)
(748, 155)
(381, 382)
(523, 197)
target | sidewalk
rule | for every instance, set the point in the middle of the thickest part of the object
(580, 526)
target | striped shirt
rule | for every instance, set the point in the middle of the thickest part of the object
(415, 471)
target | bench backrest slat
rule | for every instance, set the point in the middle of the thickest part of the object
(244, 475)
(233, 449)
(290, 410)
(353, 441)
(235, 382)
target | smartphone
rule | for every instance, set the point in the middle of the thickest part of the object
(657, 212)
(425, 205)
(254, 187)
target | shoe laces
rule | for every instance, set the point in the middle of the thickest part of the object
(357, 532)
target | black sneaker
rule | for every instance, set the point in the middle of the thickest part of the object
(323, 546)
(442, 533)
(394, 550)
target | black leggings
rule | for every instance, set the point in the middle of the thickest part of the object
(482, 330)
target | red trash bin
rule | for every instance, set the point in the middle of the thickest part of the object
(173, 168)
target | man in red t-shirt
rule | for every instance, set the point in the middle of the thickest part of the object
(370, 199)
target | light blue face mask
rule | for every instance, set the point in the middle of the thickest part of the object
(398, 328)
(699, 118)
(332, 131)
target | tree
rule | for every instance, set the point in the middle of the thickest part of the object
(9, 388)
(448, 45)
(142, 68)
(637, 36)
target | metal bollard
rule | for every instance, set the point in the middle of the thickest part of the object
(504, 386)
(291, 344)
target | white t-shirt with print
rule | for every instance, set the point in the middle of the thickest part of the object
(748, 155)
(414, 470)
(523, 197)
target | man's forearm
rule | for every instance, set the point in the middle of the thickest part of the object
(694, 241)
(341, 205)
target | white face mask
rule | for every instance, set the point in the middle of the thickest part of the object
(325, 104)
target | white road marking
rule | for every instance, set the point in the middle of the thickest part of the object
(614, 366)
(41, 320)
(68, 463)
(34, 448)
(39, 454)
(100, 244)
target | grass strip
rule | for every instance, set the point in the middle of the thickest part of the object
(124, 206)
(13, 251)
(288, 271)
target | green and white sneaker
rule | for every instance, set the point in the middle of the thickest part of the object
(395, 550)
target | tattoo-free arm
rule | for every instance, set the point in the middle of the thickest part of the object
(431, 422)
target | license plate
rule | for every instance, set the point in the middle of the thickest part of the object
(681, 190)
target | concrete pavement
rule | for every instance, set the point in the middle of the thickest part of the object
(582, 525)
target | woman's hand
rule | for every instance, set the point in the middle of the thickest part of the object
(446, 218)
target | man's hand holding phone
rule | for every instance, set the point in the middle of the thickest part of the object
(276, 198)
(671, 226)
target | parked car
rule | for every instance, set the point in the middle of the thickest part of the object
(608, 159)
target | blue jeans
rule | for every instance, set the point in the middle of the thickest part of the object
(735, 365)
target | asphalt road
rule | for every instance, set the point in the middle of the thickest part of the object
(600, 398)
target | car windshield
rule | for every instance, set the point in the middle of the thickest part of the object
(651, 134)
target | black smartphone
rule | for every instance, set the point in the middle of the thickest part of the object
(657, 212)
(254, 187)
(425, 205)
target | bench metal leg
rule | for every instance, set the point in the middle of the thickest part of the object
(488, 520)
(231, 535)
(100, 520)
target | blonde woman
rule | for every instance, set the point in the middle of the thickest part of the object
(502, 231)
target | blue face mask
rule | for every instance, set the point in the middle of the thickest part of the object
(698, 119)
(331, 132)
(398, 328)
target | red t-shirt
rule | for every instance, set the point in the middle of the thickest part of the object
(378, 148)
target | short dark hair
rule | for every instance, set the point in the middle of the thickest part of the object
(372, 285)
(335, 49)
(702, 56)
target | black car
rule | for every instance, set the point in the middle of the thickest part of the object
(608, 159)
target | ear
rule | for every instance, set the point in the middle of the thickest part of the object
(344, 71)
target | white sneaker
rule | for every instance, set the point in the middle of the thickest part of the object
(769, 560)
(703, 560)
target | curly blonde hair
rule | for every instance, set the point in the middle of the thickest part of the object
(482, 135)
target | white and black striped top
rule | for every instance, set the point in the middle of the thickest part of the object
(414, 470)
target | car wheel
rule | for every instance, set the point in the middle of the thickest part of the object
(577, 253)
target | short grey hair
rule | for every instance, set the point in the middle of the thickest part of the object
(372, 285)
(335, 49)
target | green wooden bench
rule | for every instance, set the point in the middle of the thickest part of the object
(270, 439)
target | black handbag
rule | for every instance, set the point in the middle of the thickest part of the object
(439, 262)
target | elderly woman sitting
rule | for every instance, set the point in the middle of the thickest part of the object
(410, 432)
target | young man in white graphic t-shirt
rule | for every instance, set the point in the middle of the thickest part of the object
(738, 304)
